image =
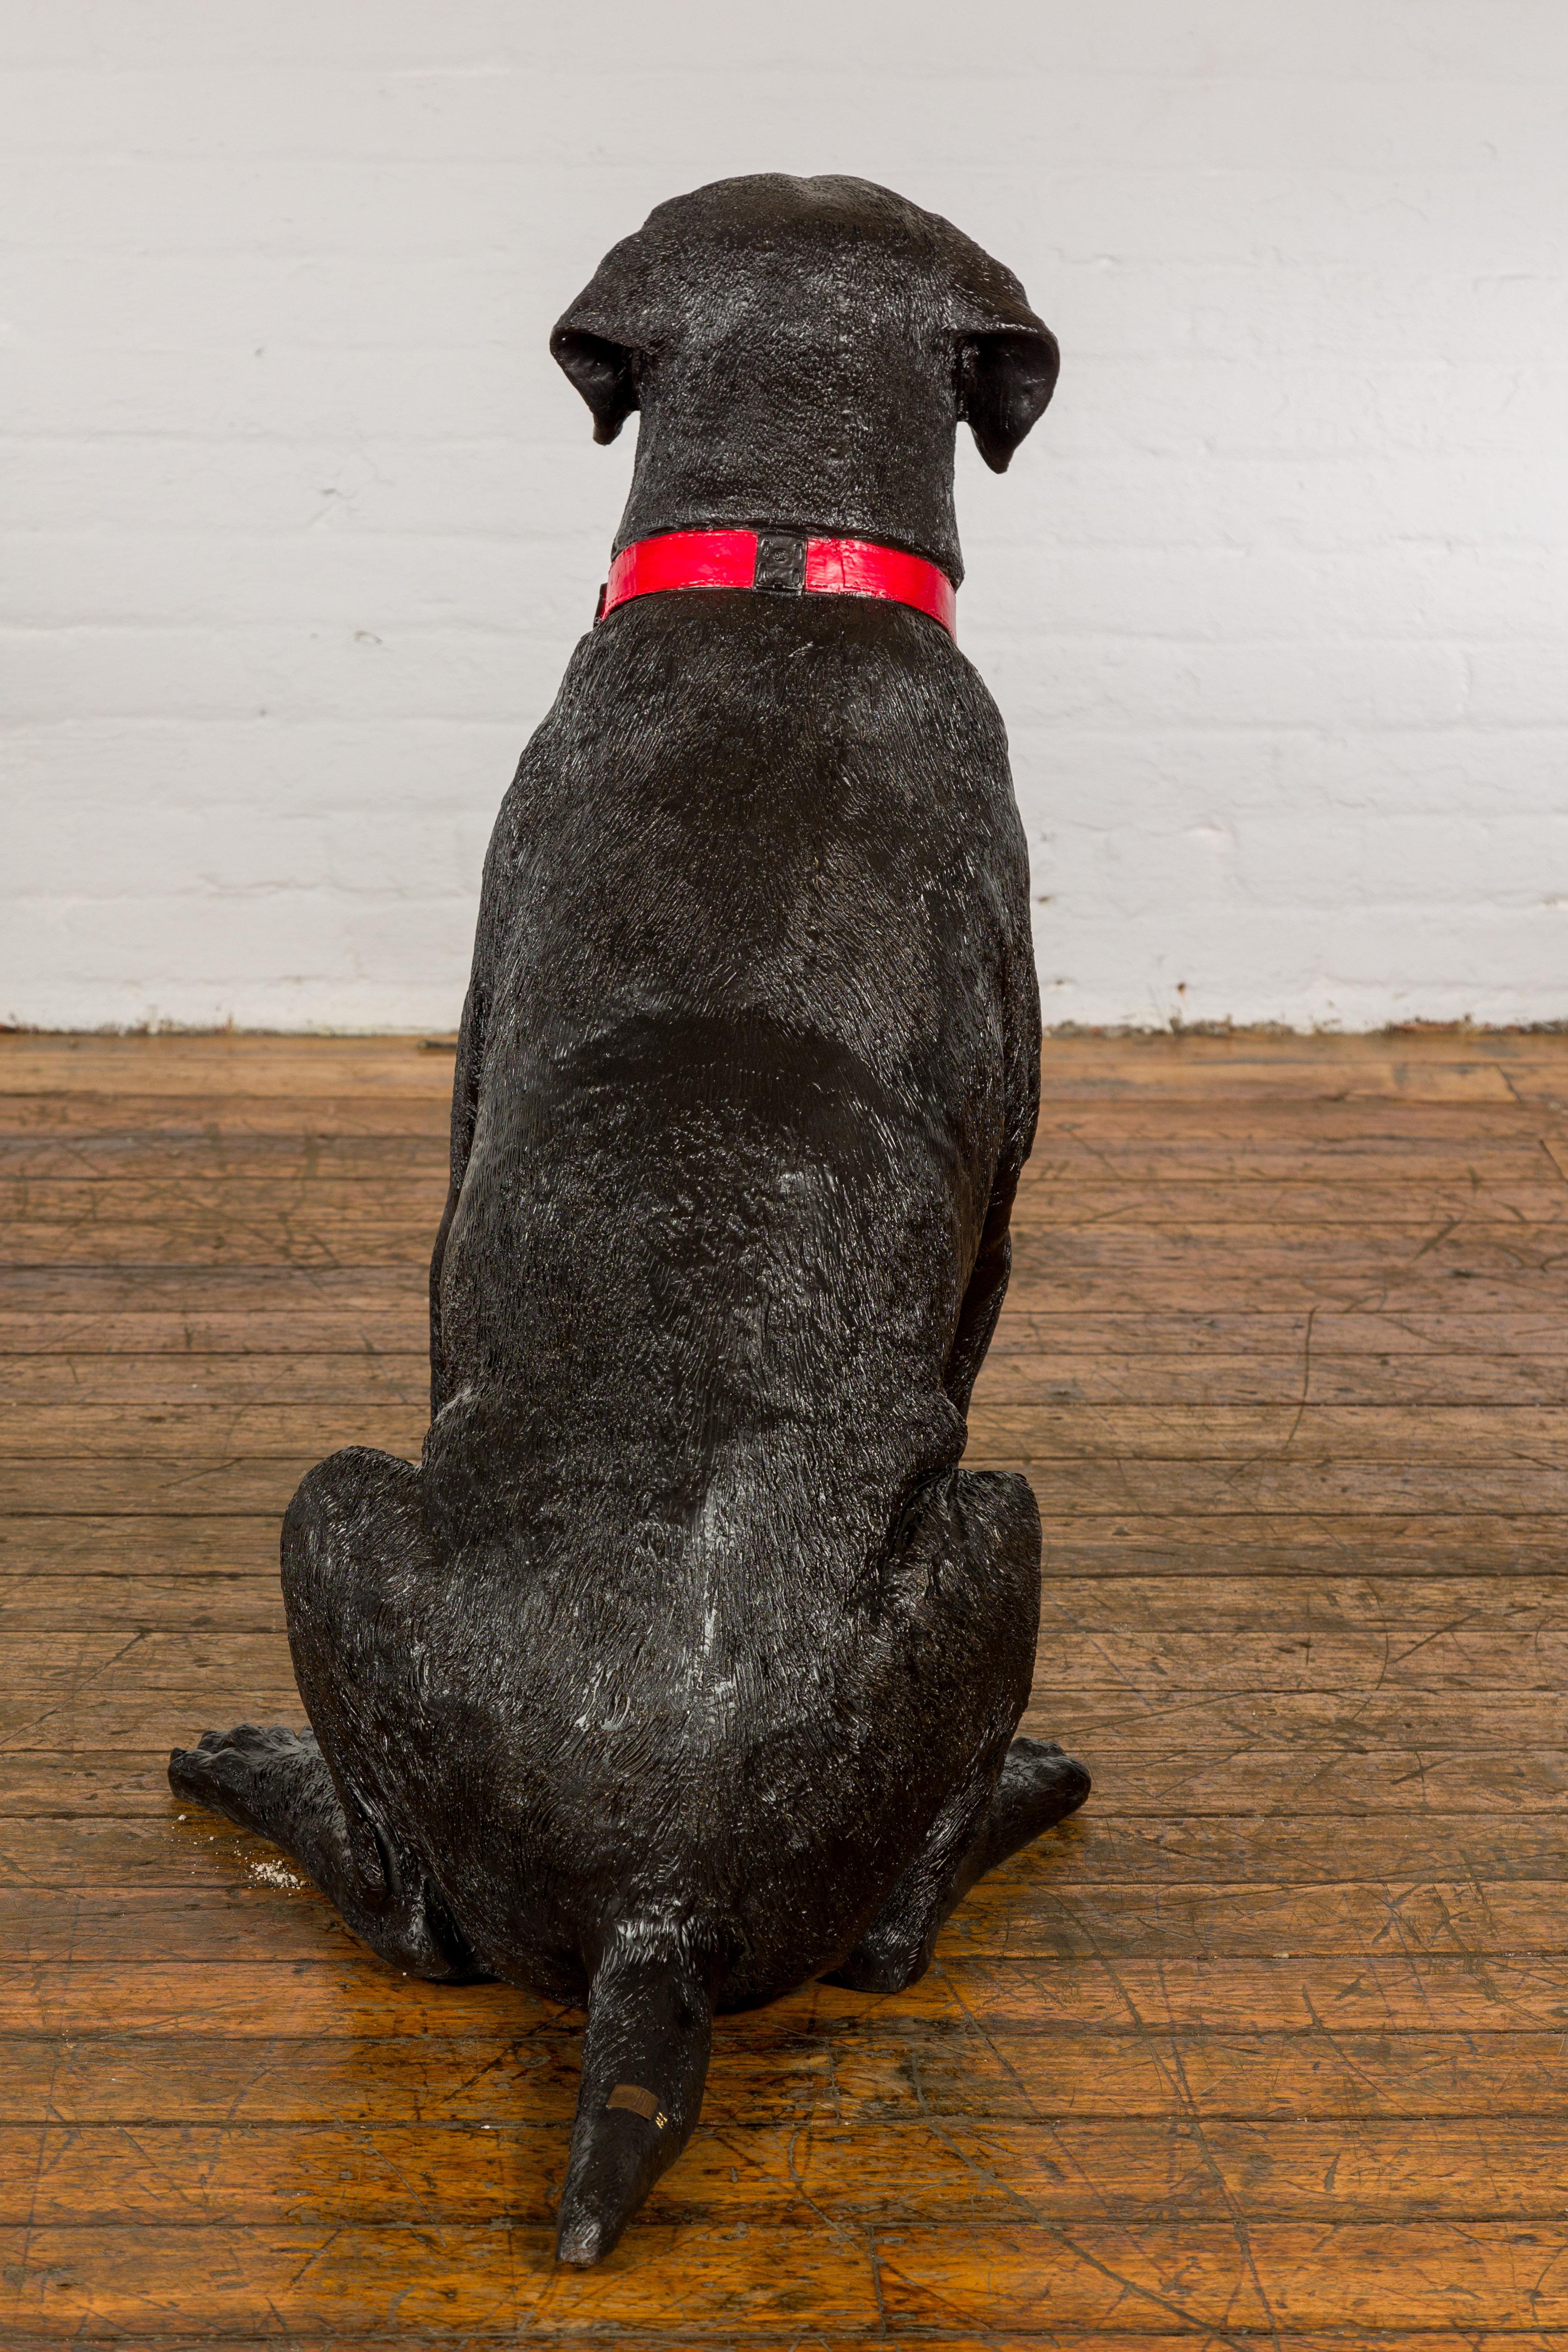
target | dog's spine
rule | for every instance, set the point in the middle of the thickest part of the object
(644, 2062)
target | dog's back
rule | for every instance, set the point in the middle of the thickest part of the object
(753, 1034)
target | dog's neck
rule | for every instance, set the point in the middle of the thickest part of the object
(815, 448)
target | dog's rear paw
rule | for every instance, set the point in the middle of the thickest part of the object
(237, 1773)
(1042, 1782)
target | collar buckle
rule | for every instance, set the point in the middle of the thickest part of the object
(781, 562)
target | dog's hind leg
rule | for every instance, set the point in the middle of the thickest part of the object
(276, 1783)
(353, 1527)
(971, 1554)
(1038, 1787)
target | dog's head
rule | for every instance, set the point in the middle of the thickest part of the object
(801, 352)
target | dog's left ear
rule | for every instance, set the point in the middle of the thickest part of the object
(1008, 359)
(599, 343)
(1004, 383)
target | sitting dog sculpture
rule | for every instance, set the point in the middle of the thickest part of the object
(685, 1667)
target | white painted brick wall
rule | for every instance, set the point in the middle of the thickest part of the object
(301, 522)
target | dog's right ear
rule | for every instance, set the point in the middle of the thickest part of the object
(1007, 358)
(599, 342)
(1004, 383)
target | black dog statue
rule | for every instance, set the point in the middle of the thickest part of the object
(686, 1666)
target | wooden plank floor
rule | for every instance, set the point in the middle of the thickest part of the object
(1270, 2047)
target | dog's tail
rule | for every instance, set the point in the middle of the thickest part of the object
(644, 2062)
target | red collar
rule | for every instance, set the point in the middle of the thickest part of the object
(780, 562)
